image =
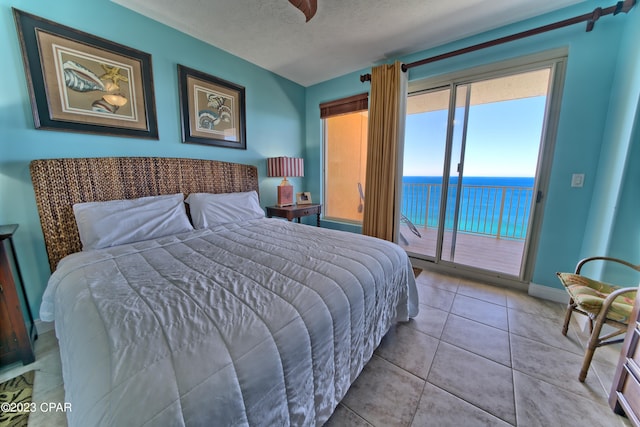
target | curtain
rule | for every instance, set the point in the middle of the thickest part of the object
(387, 112)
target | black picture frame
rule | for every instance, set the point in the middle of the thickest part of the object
(212, 110)
(80, 82)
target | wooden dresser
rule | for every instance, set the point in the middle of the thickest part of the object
(17, 330)
(625, 390)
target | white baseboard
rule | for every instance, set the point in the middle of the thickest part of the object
(551, 294)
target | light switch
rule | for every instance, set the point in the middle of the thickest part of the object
(577, 180)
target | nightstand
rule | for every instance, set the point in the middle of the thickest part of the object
(16, 335)
(295, 211)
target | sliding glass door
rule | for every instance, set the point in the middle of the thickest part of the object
(472, 163)
(424, 159)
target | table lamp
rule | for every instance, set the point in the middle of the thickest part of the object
(285, 167)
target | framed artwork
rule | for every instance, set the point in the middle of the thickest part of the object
(303, 198)
(212, 110)
(83, 83)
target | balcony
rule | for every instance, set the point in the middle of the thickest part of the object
(492, 224)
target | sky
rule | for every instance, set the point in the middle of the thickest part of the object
(503, 139)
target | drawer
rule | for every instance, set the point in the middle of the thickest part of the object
(630, 391)
(634, 349)
(308, 211)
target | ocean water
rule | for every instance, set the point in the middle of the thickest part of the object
(497, 206)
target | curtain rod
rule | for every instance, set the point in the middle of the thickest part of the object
(591, 18)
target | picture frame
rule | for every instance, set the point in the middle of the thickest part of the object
(80, 82)
(212, 110)
(303, 198)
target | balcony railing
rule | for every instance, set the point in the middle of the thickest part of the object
(498, 211)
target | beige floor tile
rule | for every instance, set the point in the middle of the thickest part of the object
(478, 338)
(430, 320)
(542, 404)
(562, 369)
(409, 349)
(384, 395)
(435, 297)
(483, 291)
(481, 311)
(480, 381)
(47, 419)
(580, 324)
(438, 280)
(608, 353)
(543, 329)
(45, 384)
(46, 343)
(442, 409)
(528, 304)
(345, 417)
(605, 362)
(605, 371)
(47, 415)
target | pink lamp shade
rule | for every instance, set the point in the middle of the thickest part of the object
(285, 167)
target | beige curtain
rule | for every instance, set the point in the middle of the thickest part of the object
(387, 112)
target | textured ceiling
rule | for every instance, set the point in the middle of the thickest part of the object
(344, 35)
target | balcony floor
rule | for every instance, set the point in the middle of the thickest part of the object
(475, 250)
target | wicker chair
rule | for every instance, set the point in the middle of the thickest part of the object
(602, 303)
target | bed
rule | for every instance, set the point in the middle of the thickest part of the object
(254, 321)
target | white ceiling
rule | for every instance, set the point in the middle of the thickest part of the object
(344, 35)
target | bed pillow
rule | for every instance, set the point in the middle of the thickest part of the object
(209, 210)
(116, 222)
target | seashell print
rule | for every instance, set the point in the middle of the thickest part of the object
(225, 114)
(215, 101)
(223, 111)
(80, 78)
(207, 119)
(102, 106)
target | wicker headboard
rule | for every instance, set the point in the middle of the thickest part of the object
(59, 183)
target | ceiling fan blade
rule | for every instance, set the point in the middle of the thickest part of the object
(308, 7)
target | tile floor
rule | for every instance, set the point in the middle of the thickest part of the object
(479, 355)
(476, 355)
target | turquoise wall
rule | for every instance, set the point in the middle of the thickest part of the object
(625, 238)
(275, 114)
(613, 215)
(599, 102)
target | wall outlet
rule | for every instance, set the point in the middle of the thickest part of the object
(577, 180)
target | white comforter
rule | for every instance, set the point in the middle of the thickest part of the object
(261, 323)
